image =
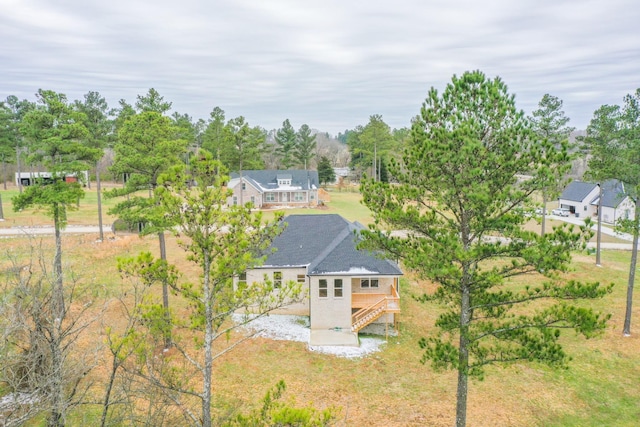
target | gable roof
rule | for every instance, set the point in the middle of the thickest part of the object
(613, 194)
(576, 191)
(326, 245)
(266, 180)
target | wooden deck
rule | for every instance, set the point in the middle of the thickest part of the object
(367, 300)
(371, 306)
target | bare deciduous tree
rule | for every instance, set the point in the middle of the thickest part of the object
(41, 366)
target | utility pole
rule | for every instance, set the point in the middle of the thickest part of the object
(18, 152)
(375, 161)
(598, 238)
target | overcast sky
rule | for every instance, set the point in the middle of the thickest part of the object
(330, 64)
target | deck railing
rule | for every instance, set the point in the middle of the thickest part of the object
(365, 316)
(372, 307)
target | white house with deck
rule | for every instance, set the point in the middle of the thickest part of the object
(346, 288)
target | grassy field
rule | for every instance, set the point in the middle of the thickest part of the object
(391, 387)
(347, 203)
(86, 213)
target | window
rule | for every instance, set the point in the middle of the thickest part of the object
(322, 288)
(277, 279)
(270, 197)
(284, 182)
(253, 200)
(242, 280)
(301, 278)
(337, 288)
(298, 196)
(368, 283)
(235, 200)
(244, 186)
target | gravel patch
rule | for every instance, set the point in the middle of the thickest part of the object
(285, 327)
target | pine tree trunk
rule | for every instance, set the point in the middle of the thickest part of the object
(632, 272)
(165, 293)
(208, 342)
(241, 181)
(18, 152)
(56, 418)
(465, 319)
(463, 356)
(58, 291)
(544, 213)
(599, 236)
(99, 194)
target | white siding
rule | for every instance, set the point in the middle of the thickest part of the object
(288, 274)
(625, 209)
(583, 208)
(330, 311)
(384, 285)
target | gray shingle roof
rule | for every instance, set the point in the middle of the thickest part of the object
(576, 191)
(268, 179)
(612, 193)
(327, 245)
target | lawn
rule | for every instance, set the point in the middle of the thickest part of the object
(392, 388)
(345, 203)
(86, 213)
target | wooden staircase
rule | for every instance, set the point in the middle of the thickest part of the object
(367, 315)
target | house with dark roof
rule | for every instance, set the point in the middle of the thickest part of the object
(583, 198)
(346, 288)
(274, 188)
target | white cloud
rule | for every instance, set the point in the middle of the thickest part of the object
(329, 64)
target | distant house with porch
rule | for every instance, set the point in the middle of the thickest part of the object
(274, 188)
(582, 199)
(346, 288)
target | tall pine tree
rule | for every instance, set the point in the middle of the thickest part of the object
(458, 198)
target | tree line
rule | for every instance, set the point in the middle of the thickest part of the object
(234, 142)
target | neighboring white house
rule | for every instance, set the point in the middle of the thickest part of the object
(274, 188)
(582, 199)
(346, 288)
